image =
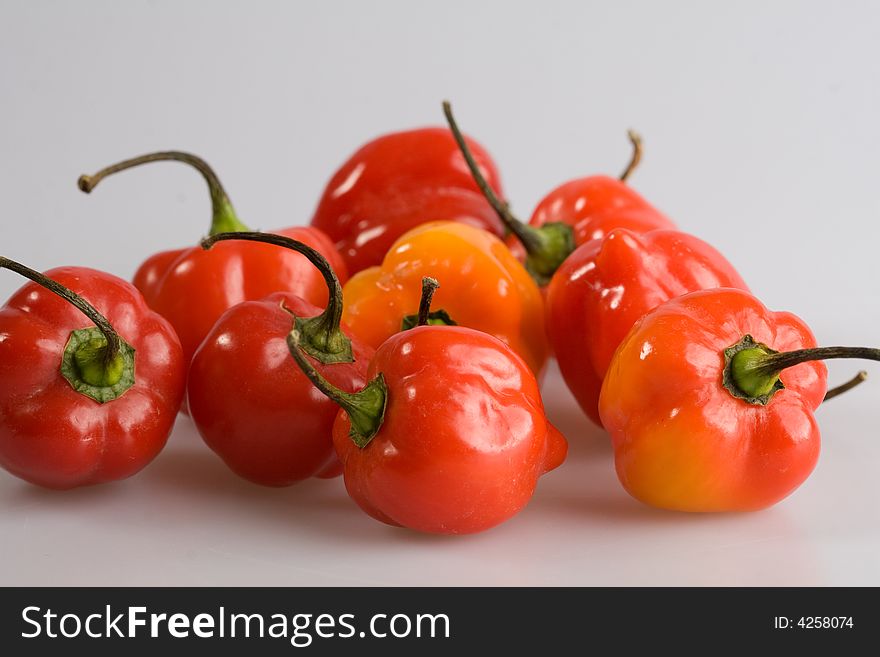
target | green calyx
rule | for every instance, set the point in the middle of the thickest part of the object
(365, 408)
(426, 316)
(96, 362)
(435, 318)
(89, 370)
(743, 375)
(323, 342)
(223, 216)
(549, 252)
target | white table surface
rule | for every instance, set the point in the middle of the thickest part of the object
(761, 132)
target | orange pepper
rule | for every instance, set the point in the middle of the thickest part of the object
(483, 286)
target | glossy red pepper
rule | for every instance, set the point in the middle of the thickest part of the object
(192, 287)
(709, 402)
(572, 214)
(84, 402)
(251, 403)
(449, 436)
(397, 182)
(606, 285)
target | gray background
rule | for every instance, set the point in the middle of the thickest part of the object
(762, 136)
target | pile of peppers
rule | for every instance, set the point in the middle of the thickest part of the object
(400, 341)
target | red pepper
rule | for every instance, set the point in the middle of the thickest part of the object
(83, 404)
(606, 285)
(449, 436)
(192, 287)
(572, 214)
(709, 402)
(250, 402)
(397, 182)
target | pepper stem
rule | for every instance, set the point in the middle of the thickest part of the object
(224, 218)
(636, 140)
(858, 379)
(321, 337)
(96, 362)
(429, 286)
(752, 369)
(365, 408)
(546, 247)
(426, 316)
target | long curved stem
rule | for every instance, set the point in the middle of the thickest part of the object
(87, 309)
(529, 236)
(323, 339)
(546, 246)
(224, 216)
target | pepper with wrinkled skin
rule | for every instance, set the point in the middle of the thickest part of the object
(484, 287)
(192, 287)
(84, 400)
(397, 182)
(449, 436)
(606, 285)
(709, 402)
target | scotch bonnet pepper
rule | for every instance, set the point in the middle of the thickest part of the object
(449, 436)
(192, 287)
(84, 400)
(251, 404)
(396, 182)
(606, 285)
(709, 402)
(484, 288)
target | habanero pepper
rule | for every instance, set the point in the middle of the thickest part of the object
(250, 402)
(574, 213)
(606, 285)
(484, 288)
(709, 402)
(192, 287)
(449, 436)
(82, 405)
(396, 182)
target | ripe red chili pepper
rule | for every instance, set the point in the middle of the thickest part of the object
(192, 287)
(449, 436)
(572, 214)
(81, 404)
(397, 182)
(606, 285)
(709, 402)
(250, 402)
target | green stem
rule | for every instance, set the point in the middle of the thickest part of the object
(752, 369)
(322, 337)
(636, 140)
(858, 379)
(224, 218)
(96, 362)
(365, 408)
(547, 246)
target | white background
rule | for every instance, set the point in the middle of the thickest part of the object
(762, 136)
